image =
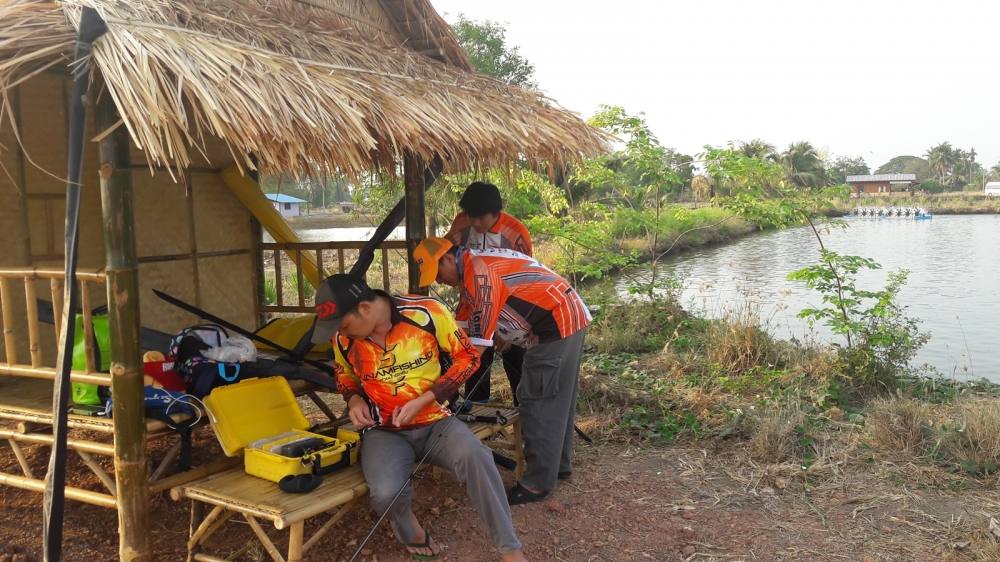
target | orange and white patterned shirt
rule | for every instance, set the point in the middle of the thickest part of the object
(424, 338)
(508, 233)
(508, 293)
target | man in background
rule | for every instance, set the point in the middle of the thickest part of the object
(483, 225)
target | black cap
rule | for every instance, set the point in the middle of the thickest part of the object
(337, 295)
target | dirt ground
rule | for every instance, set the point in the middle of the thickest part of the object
(623, 503)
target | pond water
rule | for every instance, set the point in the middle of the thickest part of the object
(953, 287)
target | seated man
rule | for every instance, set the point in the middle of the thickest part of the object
(531, 306)
(389, 349)
(483, 224)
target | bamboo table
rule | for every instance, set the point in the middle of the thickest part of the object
(234, 493)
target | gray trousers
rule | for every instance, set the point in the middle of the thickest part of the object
(388, 457)
(547, 403)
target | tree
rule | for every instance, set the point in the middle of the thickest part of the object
(941, 160)
(757, 148)
(994, 174)
(803, 165)
(906, 165)
(485, 43)
(843, 166)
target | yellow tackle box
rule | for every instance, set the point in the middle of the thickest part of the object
(258, 416)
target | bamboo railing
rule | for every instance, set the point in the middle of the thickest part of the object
(23, 279)
(330, 259)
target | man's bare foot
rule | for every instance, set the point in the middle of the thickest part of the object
(513, 556)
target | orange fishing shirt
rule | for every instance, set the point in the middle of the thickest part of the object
(511, 294)
(508, 233)
(424, 341)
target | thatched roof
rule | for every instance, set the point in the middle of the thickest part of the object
(298, 83)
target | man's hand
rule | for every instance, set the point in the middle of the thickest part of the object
(359, 413)
(405, 414)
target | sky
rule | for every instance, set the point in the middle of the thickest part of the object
(873, 78)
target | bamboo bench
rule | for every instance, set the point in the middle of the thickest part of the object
(234, 492)
(28, 403)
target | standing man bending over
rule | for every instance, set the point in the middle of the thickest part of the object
(482, 225)
(389, 349)
(527, 304)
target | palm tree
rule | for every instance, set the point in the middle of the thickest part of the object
(941, 160)
(803, 165)
(757, 148)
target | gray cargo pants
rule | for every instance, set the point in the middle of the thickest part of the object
(388, 457)
(547, 403)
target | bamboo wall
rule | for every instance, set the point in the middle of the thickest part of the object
(193, 236)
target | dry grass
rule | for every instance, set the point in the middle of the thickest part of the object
(296, 85)
(775, 434)
(739, 344)
(975, 442)
(900, 425)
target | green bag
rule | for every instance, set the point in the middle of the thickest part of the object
(84, 393)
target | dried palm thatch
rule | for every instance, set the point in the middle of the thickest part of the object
(289, 82)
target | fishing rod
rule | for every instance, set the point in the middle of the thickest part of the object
(201, 313)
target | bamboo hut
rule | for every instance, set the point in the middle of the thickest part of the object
(181, 94)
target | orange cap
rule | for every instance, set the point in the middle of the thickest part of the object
(427, 254)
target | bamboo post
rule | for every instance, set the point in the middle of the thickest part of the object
(299, 284)
(6, 303)
(279, 282)
(88, 328)
(416, 227)
(340, 260)
(21, 459)
(258, 271)
(295, 535)
(123, 321)
(56, 287)
(34, 329)
(319, 264)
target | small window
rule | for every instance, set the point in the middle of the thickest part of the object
(288, 206)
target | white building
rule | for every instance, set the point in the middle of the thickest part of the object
(992, 188)
(287, 205)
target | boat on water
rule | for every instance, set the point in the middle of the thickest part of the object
(917, 213)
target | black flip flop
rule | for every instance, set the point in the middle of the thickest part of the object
(300, 483)
(519, 494)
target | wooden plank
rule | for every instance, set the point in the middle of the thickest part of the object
(319, 264)
(340, 260)
(34, 327)
(6, 304)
